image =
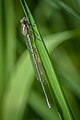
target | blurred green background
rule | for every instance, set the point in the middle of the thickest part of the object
(21, 96)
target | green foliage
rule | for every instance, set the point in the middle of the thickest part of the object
(21, 96)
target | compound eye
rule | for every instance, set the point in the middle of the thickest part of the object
(23, 20)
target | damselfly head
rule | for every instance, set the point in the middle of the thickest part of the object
(24, 26)
(23, 20)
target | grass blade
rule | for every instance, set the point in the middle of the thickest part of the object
(16, 97)
(58, 94)
(53, 41)
(10, 36)
(36, 102)
(1, 59)
(65, 7)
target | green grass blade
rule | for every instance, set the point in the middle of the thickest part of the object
(16, 96)
(58, 94)
(10, 36)
(72, 76)
(1, 54)
(54, 40)
(0, 40)
(72, 101)
(69, 71)
(36, 102)
(1, 59)
(65, 7)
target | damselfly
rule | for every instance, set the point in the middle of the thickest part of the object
(34, 56)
